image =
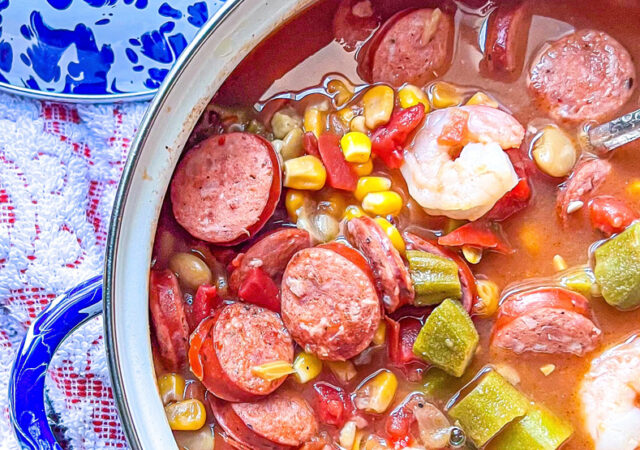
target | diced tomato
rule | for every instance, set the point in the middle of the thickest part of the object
(398, 425)
(195, 344)
(340, 174)
(258, 288)
(401, 336)
(204, 304)
(332, 404)
(480, 234)
(517, 198)
(388, 140)
(454, 132)
(310, 144)
(610, 215)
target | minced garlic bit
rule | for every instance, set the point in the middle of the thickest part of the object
(559, 263)
(547, 369)
(574, 206)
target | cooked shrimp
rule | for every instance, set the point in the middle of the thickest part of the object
(462, 184)
(609, 395)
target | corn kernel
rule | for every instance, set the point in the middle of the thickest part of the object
(307, 366)
(378, 106)
(186, 415)
(273, 370)
(305, 172)
(411, 95)
(356, 147)
(472, 254)
(357, 124)
(380, 336)
(314, 119)
(344, 371)
(292, 145)
(343, 91)
(530, 238)
(348, 435)
(352, 212)
(293, 201)
(171, 387)
(489, 297)
(367, 185)
(363, 169)
(392, 232)
(633, 189)
(358, 440)
(559, 264)
(382, 203)
(480, 98)
(374, 442)
(547, 369)
(334, 204)
(444, 95)
(346, 115)
(376, 394)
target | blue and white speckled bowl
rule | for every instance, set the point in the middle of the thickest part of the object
(94, 50)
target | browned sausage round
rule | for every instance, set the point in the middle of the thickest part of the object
(282, 420)
(329, 302)
(586, 178)
(271, 254)
(390, 274)
(411, 47)
(587, 75)
(506, 42)
(546, 320)
(226, 188)
(168, 318)
(226, 347)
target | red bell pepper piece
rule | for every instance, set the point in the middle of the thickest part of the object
(517, 198)
(610, 215)
(204, 304)
(398, 423)
(479, 234)
(258, 288)
(401, 337)
(340, 174)
(388, 140)
(332, 404)
(310, 144)
(454, 132)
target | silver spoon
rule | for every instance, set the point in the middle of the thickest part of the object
(615, 133)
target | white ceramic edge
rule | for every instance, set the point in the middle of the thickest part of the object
(154, 154)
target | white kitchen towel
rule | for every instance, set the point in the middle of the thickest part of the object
(59, 169)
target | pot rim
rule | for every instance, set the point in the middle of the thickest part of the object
(120, 199)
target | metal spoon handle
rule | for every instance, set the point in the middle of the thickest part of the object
(613, 134)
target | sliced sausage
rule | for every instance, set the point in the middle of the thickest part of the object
(226, 188)
(506, 41)
(353, 22)
(271, 254)
(546, 320)
(587, 75)
(227, 346)
(413, 46)
(329, 302)
(389, 271)
(467, 280)
(586, 178)
(168, 318)
(282, 420)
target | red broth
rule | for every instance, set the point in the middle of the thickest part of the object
(301, 53)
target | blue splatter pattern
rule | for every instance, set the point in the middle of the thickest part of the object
(95, 47)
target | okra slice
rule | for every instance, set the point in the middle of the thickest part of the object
(539, 429)
(580, 280)
(448, 338)
(617, 268)
(438, 384)
(491, 405)
(434, 277)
